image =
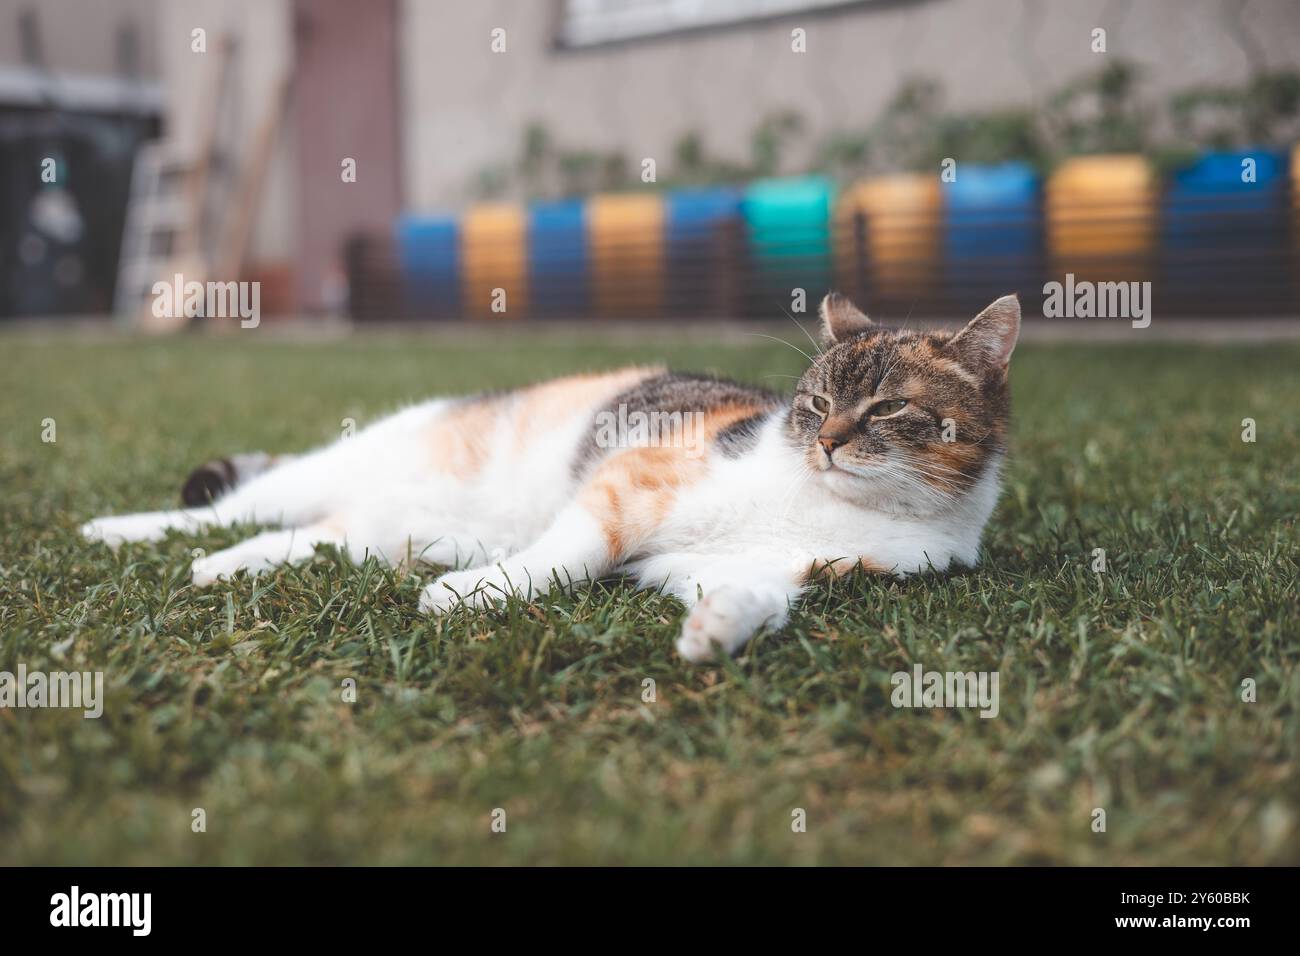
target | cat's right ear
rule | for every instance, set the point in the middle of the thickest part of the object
(990, 338)
(841, 319)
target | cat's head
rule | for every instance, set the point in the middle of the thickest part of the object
(910, 420)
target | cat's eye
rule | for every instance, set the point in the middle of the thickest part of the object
(820, 405)
(886, 408)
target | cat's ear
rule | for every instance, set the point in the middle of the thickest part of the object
(990, 338)
(841, 319)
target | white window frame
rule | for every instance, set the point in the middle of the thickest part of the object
(593, 22)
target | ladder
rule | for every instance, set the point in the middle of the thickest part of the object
(155, 216)
(167, 225)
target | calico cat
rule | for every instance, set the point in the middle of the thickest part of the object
(887, 456)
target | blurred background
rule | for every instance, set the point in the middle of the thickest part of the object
(500, 160)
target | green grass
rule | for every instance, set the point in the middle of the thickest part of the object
(1118, 690)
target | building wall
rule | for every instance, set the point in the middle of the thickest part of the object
(344, 103)
(263, 31)
(345, 107)
(80, 36)
(465, 107)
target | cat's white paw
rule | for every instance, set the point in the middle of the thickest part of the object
(117, 530)
(474, 587)
(719, 624)
(215, 567)
(97, 530)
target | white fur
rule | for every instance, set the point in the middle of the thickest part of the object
(734, 547)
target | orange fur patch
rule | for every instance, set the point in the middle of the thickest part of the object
(727, 415)
(461, 439)
(540, 406)
(632, 491)
(954, 463)
(844, 566)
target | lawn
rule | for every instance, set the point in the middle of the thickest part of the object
(1120, 690)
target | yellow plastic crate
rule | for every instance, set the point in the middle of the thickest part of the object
(626, 239)
(903, 230)
(494, 256)
(1101, 217)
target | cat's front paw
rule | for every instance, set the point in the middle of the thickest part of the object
(475, 587)
(222, 566)
(719, 624)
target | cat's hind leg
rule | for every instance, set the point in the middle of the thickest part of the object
(296, 490)
(614, 513)
(115, 530)
(573, 549)
(215, 478)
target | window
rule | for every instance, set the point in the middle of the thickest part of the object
(588, 22)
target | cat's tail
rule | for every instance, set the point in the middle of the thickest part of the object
(213, 479)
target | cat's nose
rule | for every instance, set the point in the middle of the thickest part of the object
(829, 443)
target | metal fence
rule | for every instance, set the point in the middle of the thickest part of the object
(1221, 236)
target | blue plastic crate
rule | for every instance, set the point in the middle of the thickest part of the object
(694, 219)
(1218, 231)
(429, 253)
(992, 230)
(558, 259)
(789, 231)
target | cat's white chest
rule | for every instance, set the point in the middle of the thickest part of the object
(768, 503)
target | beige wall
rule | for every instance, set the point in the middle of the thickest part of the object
(263, 30)
(465, 107)
(80, 36)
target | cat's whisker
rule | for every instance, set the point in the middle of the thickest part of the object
(921, 469)
(795, 486)
(900, 455)
(922, 463)
(783, 342)
(791, 494)
(933, 467)
(890, 364)
(798, 475)
(913, 484)
(816, 347)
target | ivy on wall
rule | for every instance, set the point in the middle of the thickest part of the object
(1099, 112)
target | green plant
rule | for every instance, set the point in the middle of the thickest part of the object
(770, 139)
(994, 137)
(906, 134)
(1098, 113)
(1260, 111)
(844, 155)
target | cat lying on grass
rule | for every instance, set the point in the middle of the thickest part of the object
(886, 456)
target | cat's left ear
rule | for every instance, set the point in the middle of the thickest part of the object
(841, 319)
(991, 336)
